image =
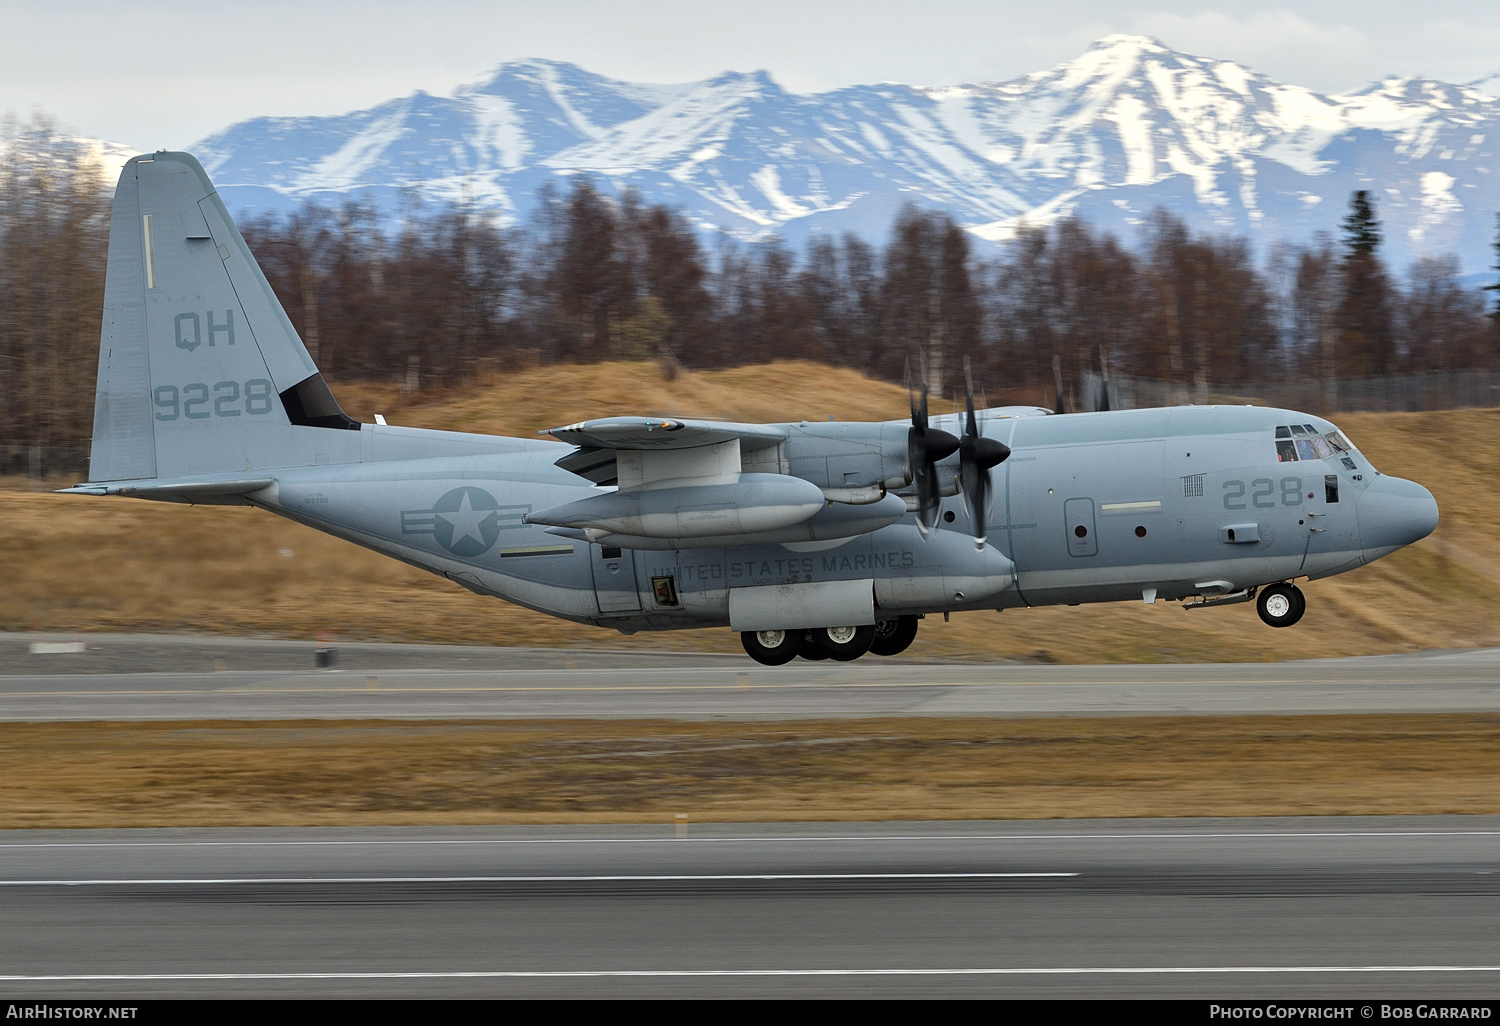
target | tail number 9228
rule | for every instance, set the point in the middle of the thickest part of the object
(200, 401)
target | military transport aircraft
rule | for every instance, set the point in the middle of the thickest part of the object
(824, 540)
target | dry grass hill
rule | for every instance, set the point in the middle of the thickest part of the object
(73, 563)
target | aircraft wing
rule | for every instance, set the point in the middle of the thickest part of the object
(1001, 412)
(664, 433)
(600, 441)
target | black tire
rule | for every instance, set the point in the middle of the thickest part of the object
(845, 643)
(773, 648)
(810, 649)
(892, 637)
(1280, 605)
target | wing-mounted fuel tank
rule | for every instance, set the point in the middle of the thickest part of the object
(689, 512)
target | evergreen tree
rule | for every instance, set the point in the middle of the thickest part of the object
(1366, 342)
(1495, 288)
(1361, 227)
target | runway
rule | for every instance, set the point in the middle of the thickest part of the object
(260, 680)
(1214, 909)
(1217, 909)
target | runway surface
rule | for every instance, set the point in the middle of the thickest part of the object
(1385, 907)
(260, 680)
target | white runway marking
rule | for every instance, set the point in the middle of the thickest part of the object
(664, 878)
(563, 974)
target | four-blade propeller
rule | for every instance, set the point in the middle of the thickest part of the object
(977, 455)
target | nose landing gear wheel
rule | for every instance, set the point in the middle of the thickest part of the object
(893, 637)
(845, 643)
(1281, 605)
(773, 648)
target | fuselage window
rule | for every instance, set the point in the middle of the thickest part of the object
(1286, 452)
(1305, 450)
(1348, 462)
(1330, 488)
(1283, 432)
(1324, 450)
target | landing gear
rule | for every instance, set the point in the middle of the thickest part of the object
(776, 648)
(892, 637)
(845, 643)
(1281, 605)
(810, 649)
(773, 648)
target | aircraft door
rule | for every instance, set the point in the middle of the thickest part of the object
(614, 579)
(1079, 515)
(1328, 517)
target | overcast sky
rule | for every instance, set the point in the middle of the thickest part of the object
(165, 73)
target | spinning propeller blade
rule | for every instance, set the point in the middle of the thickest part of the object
(924, 447)
(976, 456)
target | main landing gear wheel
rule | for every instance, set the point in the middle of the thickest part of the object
(1281, 605)
(810, 649)
(845, 643)
(773, 648)
(892, 637)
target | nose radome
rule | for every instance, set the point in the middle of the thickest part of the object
(1394, 512)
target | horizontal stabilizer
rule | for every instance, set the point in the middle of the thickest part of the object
(205, 491)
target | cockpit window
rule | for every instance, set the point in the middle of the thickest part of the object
(1303, 442)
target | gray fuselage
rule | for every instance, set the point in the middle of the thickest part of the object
(1166, 503)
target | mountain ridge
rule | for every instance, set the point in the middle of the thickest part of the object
(1128, 126)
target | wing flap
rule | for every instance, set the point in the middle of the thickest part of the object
(593, 464)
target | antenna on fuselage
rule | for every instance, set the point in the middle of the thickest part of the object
(1057, 374)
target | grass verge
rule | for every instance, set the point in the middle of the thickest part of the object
(243, 773)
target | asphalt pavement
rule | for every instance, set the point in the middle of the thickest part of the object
(146, 678)
(1305, 908)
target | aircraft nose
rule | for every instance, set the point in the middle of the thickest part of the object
(1394, 512)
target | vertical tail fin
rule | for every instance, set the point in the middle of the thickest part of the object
(200, 370)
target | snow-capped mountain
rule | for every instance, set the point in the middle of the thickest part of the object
(1128, 126)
